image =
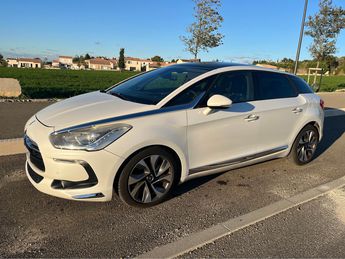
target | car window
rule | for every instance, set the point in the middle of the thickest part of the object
(192, 92)
(270, 85)
(152, 87)
(301, 85)
(236, 85)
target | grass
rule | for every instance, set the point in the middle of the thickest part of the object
(49, 83)
(46, 83)
(330, 83)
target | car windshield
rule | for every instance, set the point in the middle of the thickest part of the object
(152, 87)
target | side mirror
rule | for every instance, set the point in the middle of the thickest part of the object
(219, 102)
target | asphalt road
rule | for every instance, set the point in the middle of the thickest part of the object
(37, 225)
(15, 115)
(314, 229)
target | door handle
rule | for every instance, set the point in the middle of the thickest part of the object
(251, 117)
(297, 110)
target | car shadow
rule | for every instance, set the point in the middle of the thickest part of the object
(334, 128)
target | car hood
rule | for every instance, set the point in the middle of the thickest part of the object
(86, 108)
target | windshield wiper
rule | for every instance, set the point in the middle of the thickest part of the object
(119, 95)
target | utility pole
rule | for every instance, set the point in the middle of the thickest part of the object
(301, 36)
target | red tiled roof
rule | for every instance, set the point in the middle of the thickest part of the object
(100, 61)
(33, 60)
(137, 59)
(66, 57)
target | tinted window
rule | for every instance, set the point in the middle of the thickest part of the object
(152, 87)
(236, 86)
(301, 85)
(192, 92)
(269, 85)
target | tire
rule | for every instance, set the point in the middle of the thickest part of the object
(305, 145)
(148, 177)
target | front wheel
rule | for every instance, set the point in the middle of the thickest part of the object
(305, 145)
(148, 177)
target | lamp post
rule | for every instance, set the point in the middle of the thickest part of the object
(301, 36)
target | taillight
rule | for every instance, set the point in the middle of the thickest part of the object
(322, 104)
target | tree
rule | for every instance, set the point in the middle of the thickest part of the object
(87, 56)
(324, 27)
(203, 33)
(121, 62)
(3, 63)
(173, 61)
(157, 59)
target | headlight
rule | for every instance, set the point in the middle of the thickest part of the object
(89, 138)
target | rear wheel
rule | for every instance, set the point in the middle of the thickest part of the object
(148, 177)
(305, 145)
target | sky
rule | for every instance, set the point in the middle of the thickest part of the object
(253, 29)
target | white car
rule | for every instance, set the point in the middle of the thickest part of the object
(146, 134)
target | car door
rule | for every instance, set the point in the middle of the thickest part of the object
(279, 108)
(223, 135)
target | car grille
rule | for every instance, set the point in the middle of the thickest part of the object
(36, 177)
(35, 154)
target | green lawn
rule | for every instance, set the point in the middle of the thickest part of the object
(45, 83)
(329, 83)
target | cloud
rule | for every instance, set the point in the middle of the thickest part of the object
(97, 43)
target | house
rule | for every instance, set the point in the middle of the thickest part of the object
(77, 66)
(25, 62)
(101, 63)
(179, 61)
(155, 65)
(137, 64)
(55, 63)
(66, 60)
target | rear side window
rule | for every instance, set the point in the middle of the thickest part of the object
(301, 85)
(270, 85)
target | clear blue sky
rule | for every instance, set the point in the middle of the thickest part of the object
(253, 29)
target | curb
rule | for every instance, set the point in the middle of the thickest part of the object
(12, 147)
(209, 235)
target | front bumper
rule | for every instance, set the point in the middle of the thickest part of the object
(74, 175)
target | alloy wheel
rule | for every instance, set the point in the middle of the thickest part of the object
(150, 179)
(307, 146)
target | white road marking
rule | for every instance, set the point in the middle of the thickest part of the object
(199, 239)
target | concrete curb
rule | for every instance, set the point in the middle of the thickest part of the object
(11, 146)
(16, 146)
(199, 239)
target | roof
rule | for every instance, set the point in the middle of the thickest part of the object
(66, 57)
(99, 61)
(33, 60)
(55, 61)
(138, 59)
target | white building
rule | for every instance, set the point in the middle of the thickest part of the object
(66, 60)
(101, 64)
(24, 62)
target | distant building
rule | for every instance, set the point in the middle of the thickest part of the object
(77, 66)
(55, 63)
(179, 61)
(155, 65)
(137, 64)
(24, 62)
(66, 60)
(101, 64)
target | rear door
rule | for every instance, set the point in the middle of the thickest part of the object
(279, 107)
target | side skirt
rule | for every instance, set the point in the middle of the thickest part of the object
(237, 161)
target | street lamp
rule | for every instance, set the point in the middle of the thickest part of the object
(301, 36)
